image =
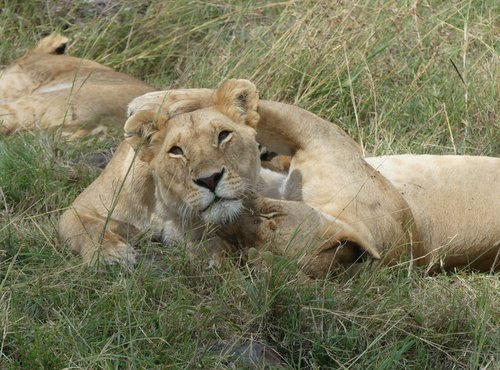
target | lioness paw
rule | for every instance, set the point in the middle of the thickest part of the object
(122, 254)
(119, 253)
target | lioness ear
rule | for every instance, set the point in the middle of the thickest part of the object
(238, 99)
(144, 124)
(52, 44)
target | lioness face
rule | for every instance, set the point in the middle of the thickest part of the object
(205, 163)
(204, 157)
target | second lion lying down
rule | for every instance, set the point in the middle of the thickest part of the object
(47, 89)
(196, 163)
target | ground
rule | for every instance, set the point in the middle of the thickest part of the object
(398, 76)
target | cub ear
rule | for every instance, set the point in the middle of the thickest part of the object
(173, 102)
(346, 246)
(350, 252)
(52, 44)
(238, 99)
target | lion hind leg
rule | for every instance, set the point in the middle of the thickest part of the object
(22, 114)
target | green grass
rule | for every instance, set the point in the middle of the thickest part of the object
(382, 70)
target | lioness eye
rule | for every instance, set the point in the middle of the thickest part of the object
(223, 135)
(175, 150)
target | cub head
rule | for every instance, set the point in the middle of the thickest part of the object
(203, 161)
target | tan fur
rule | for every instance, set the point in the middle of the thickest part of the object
(46, 90)
(161, 176)
(455, 202)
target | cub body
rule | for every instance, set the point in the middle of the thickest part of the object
(455, 202)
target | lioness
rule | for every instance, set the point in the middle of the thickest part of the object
(202, 166)
(47, 89)
(456, 220)
(175, 171)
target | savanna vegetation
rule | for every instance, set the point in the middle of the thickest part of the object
(398, 76)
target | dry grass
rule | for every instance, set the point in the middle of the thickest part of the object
(413, 76)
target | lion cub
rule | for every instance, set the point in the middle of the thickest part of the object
(47, 89)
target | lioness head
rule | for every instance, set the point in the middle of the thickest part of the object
(203, 161)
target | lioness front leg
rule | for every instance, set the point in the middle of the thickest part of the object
(96, 239)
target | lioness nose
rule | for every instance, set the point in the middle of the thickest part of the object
(211, 181)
